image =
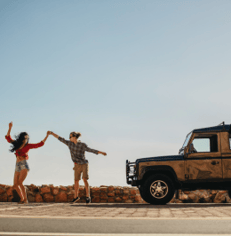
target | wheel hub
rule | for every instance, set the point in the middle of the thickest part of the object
(159, 189)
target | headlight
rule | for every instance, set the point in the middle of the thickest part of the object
(133, 169)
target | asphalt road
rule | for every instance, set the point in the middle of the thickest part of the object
(117, 226)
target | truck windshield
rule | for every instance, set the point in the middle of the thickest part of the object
(181, 151)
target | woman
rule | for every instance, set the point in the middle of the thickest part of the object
(21, 146)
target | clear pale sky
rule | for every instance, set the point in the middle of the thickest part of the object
(134, 77)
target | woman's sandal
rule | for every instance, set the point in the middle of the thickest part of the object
(23, 202)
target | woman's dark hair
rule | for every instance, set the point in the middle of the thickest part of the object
(17, 143)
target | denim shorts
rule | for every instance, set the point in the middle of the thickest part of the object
(21, 165)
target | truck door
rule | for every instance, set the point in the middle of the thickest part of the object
(204, 159)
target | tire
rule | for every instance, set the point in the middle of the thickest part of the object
(142, 193)
(158, 189)
(229, 192)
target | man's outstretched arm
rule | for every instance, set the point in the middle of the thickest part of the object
(94, 151)
(103, 153)
(55, 135)
(59, 138)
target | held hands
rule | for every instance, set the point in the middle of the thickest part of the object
(48, 132)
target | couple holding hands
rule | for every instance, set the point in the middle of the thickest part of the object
(21, 147)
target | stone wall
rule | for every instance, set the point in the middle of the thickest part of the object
(107, 194)
(50, 193)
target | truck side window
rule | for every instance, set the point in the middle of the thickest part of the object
(206, 144)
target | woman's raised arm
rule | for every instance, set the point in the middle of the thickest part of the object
(48, 133)
(10, 127)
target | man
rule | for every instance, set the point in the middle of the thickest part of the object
(77, 150)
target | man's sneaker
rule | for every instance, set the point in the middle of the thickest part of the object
(88, 200)
(75, 200)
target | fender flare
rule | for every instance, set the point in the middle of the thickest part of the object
(162, 168)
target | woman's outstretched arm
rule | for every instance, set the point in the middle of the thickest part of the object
(37, 145)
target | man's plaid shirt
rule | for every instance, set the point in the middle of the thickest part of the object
(78, 150)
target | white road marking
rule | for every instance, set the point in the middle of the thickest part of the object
(115, 218)
(93, 234)
(9, 208)
(38, 206)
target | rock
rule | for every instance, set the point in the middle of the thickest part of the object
(33, 188)
(3, 197)
(45, 189)
(118, 193)
(63, 188)
(71, 192)
(111, 188)
(138, 198)
(103, 198)
(2, 190)
(31, 198)
(103, 189)
(125, 197)
(103, 201)
(61, 197)
(184, 197)
(133, 192)
(70, 197)
(95, 199)
(47, 197)
(95, 193)
(9, 191)
(95, 189)
(38, 198)
(187, 192)
(55, 190)
(220, 197)
(128, 201)
(103, 195)
(126, 191)
(178, 201)
(111, 199)
(118, 199)
(70, 187)
(111, 194)
(10, 199)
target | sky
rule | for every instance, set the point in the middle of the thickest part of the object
(134, 77)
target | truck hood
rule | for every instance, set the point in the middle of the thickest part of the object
(161, 158)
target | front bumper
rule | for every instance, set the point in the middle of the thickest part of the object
(131, 170)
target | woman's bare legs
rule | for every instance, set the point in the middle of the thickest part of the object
(22, 177)
(16, 185)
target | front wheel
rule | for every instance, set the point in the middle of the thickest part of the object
(158, 189)
(141, 189)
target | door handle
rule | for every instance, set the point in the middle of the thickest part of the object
(214, 162)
